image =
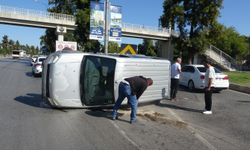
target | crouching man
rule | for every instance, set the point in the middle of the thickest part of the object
(132, 88)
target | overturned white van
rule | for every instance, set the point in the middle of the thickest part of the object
(92, 80)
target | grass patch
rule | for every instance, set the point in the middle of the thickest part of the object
(240, 78)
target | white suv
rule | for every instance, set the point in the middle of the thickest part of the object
(37, 66)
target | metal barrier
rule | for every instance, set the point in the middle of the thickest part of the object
(28, 14)
(43, 18)
(222, 58)
(142, 28)
(69, 20)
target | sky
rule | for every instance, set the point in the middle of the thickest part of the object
(143, 12)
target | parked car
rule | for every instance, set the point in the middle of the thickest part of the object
(37, 66)
(193, 77)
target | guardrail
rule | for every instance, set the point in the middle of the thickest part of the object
(222, 58)
(69, 20)
(13, 12)
(142, 28)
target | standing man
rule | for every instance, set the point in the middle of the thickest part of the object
(132, 88)
(209, 87)
(175, 76)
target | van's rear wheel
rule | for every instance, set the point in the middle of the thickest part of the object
(191, 85)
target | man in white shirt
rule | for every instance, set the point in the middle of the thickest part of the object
(209, 87)
(175, 76)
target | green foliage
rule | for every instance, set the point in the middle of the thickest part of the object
(230, 41)
(147, 48)
(7, 45)
(113, 47)
(81, 10)
(49, 39)
(191, 18)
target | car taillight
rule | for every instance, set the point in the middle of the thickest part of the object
(226, 78)
(202, 77)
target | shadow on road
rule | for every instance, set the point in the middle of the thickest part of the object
(105, 114)
(178, 107)
(29, 74)
(244, 101)
(183, 88)
(34, 100)
(10, 60)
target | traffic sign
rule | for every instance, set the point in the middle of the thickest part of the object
(128, 49)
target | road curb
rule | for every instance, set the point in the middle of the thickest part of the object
(239, 88)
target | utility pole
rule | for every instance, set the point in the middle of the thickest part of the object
(106, 37)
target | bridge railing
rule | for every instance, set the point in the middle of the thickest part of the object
(145, 29)
(9, 12)
(222, 58)
(64, 19)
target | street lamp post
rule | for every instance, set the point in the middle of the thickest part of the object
(106, 37)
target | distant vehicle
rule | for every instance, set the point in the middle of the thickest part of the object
(33, 60)
(193, 77)
(37, 66)
(91, 80)
(18, 54)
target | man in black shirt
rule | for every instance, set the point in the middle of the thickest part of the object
(132, 88)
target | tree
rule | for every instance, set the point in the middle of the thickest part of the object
(5, 45)
(11, 45)
(49, 39)
(5, 42)
(113, 47)
(230, 41)
(81, 10)
(192, 18)
(147, 48)
(17, 45)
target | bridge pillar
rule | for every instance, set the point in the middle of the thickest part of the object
(166, 50)
(60, 31)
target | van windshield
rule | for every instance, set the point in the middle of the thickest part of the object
(97, 80)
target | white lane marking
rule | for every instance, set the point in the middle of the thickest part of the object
(124, 134)
(192, 130)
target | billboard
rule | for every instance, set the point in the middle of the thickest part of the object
(96, 21)
(115, 31)
(60, 45)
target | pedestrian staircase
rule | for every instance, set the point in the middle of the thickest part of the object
(221, 58)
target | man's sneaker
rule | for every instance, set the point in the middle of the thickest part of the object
(207, 112)
(114, 117)
(132, 121)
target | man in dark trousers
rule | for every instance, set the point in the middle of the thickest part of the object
(175, 76)
(132, 88)
(209, 87)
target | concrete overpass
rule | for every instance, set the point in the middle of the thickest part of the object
(64, 22)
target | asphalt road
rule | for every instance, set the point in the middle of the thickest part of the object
(28, 123)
